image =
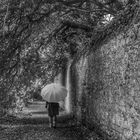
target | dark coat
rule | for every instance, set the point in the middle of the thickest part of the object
(53, 108)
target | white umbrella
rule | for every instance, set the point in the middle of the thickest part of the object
(54, 92)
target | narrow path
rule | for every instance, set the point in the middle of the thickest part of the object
(37, 109)
(34, 126)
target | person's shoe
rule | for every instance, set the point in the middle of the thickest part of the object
(50, 125)
(54, 125)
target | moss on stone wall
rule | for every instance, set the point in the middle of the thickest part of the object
(108, 86)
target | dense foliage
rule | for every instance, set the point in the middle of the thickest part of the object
(38, 36)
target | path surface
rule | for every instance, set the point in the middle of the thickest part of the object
(37, 109)
(34, 126)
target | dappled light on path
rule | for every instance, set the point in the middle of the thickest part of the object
(42, 132)
(36, 126)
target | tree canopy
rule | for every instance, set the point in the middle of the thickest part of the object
(23, 22)
(37, 36)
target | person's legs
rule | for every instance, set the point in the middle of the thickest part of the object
(51, 121)
(54, 121)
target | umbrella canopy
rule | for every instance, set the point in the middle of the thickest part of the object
(54, 92)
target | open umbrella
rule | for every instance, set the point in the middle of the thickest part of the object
(54, 92)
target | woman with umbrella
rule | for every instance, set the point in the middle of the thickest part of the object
(53, 94)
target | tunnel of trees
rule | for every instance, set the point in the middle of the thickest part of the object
(38, 36)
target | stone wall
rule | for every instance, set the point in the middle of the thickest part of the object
(107, 87)
(78, 74)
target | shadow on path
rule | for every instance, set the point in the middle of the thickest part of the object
(32, 124)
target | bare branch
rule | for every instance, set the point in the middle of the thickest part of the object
(6, 15)
(102, 6)
(77, 25)
(70, 3)
(85, 10)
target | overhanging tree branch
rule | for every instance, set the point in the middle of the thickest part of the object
(77, 25)
(102, 6)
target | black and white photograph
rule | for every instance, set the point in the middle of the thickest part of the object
(69, 69)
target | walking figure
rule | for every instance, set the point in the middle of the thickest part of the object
(53, 94)
(53, 111)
